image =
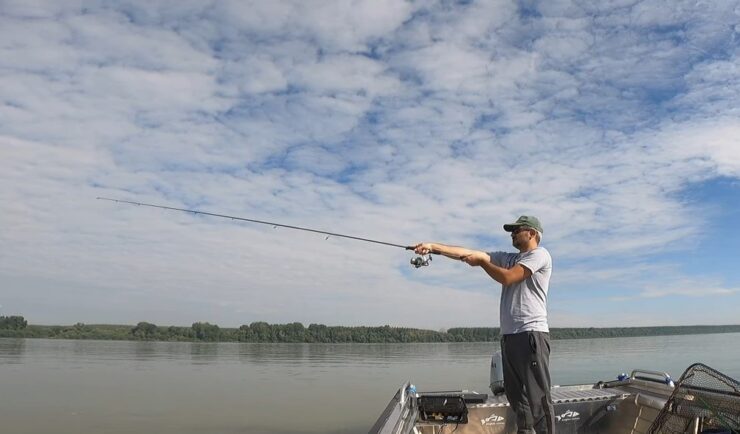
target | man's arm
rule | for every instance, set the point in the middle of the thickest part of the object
(453, 252)
(504, 276)
(476, 258)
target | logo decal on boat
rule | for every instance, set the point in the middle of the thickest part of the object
(493, 419)
(568, 416)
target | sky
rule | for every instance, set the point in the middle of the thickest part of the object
(616, 123)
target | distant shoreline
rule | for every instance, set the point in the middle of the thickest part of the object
(262, 332)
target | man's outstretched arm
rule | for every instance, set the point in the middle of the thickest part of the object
(476, 258)
(452, 252)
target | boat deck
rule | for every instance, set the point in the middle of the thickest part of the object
(561, 395)
(608, 408)
(637, 404)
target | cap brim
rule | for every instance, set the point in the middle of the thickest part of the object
(510, 227)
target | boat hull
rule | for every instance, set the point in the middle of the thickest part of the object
(620, 407)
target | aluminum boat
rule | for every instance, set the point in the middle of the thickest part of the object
(640, 403)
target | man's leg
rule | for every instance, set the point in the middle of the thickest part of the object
(516, 358)
(537, 383)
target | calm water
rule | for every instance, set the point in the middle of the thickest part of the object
(50, 386)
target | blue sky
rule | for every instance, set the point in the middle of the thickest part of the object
(617, 123)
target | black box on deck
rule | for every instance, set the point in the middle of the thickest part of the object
(443, 409)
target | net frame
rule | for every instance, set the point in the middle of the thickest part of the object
(702, 396)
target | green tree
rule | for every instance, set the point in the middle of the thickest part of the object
(293, 332)
(318, 333)
(205, 331)
(144, 330)
(261, 331)
(13, 322)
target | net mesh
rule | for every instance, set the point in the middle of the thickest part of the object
(702, 394)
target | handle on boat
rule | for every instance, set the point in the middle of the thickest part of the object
(664, 375)
(402, 399)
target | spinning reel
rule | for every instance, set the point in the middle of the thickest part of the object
(421, 261)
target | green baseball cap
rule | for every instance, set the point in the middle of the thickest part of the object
(525, 220)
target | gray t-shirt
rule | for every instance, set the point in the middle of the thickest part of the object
(524, 304)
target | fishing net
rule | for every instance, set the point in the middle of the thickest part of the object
(704, 400)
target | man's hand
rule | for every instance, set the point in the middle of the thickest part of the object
(476, 259)
(423, 248)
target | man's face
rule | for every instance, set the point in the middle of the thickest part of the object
(520, 237)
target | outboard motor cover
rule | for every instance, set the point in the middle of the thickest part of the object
(497, 374)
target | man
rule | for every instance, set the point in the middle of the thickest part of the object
(525, 342)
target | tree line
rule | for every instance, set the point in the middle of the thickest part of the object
(262, 332)
(14, 322)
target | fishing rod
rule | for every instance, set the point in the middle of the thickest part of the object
(418, 261)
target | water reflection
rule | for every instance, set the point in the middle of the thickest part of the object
(361, 354)
(204, 353)
(12, 351)
(143, 351)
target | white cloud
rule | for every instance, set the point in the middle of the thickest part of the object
(259, 75)
(389, 120)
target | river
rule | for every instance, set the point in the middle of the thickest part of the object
(65, 386)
